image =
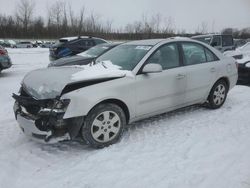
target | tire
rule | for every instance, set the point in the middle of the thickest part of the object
(218, 94)
(103, 125)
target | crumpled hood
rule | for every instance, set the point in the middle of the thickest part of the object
(48, 83)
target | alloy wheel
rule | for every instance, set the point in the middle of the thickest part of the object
(106, 126)
(219, 94)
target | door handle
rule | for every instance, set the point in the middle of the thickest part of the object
(180, 76)
(212, 69)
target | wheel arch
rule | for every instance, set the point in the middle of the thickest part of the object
(225, 79)
(119, 103)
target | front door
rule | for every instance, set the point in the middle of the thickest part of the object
(156, 92)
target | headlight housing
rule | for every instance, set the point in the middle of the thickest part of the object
(55, 107)
(61, 104)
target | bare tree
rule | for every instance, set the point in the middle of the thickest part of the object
(24, 12)
(168, 25)
(81, 20)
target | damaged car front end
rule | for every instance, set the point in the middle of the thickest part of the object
(43, 119)
(41, 107)
(39, 110)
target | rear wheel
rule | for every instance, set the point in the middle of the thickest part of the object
(218, 95)
(103, 125)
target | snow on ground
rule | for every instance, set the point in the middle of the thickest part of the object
(191, 148)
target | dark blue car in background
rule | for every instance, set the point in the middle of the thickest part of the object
(73, 45)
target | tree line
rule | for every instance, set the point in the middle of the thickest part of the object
(63, 21)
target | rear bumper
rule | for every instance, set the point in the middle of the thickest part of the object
(5, 62)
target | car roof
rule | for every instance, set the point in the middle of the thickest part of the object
(78, 37)
(210, 35)
(153, 42)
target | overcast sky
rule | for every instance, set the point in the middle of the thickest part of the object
(186, 14)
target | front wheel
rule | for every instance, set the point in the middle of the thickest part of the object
(103, 125)
(218, 95)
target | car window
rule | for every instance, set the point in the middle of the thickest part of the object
(99, 41)
(90, 43)
(216, 41)
(227, 40)
(206, 40)
(126, 56)
(167, 56)
(210, 56)
(193, 53)
(87, 43)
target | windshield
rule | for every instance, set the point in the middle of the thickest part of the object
(94, 51)
(206, 40)
(125, 56)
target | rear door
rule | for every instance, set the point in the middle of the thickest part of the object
(201, 70)
(156, 92)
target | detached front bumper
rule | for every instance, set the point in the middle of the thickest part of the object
(29, 128)
(46, 126)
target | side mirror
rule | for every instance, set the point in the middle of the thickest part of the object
(152, 68)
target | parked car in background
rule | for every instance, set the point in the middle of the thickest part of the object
(85, 57)
(132, 81)
(220, 42)
(38, 42)
(8, 43)
(46, 44)
(72, 46)
(2, 43)
(24, 44)
(12, 43)
(239, 42)
(5, 61)
(242, 55)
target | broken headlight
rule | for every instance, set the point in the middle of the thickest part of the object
(57, 107)
(61, 104)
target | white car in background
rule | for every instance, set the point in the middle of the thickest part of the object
(24, 44)
(132, 81)
(242, 56)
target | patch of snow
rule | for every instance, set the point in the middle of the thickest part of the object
(103, 69)
(190, 148)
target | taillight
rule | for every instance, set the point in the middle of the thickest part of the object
(3, 52)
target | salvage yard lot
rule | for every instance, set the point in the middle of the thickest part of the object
(192, 147)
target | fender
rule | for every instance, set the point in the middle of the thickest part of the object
(84, 99)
